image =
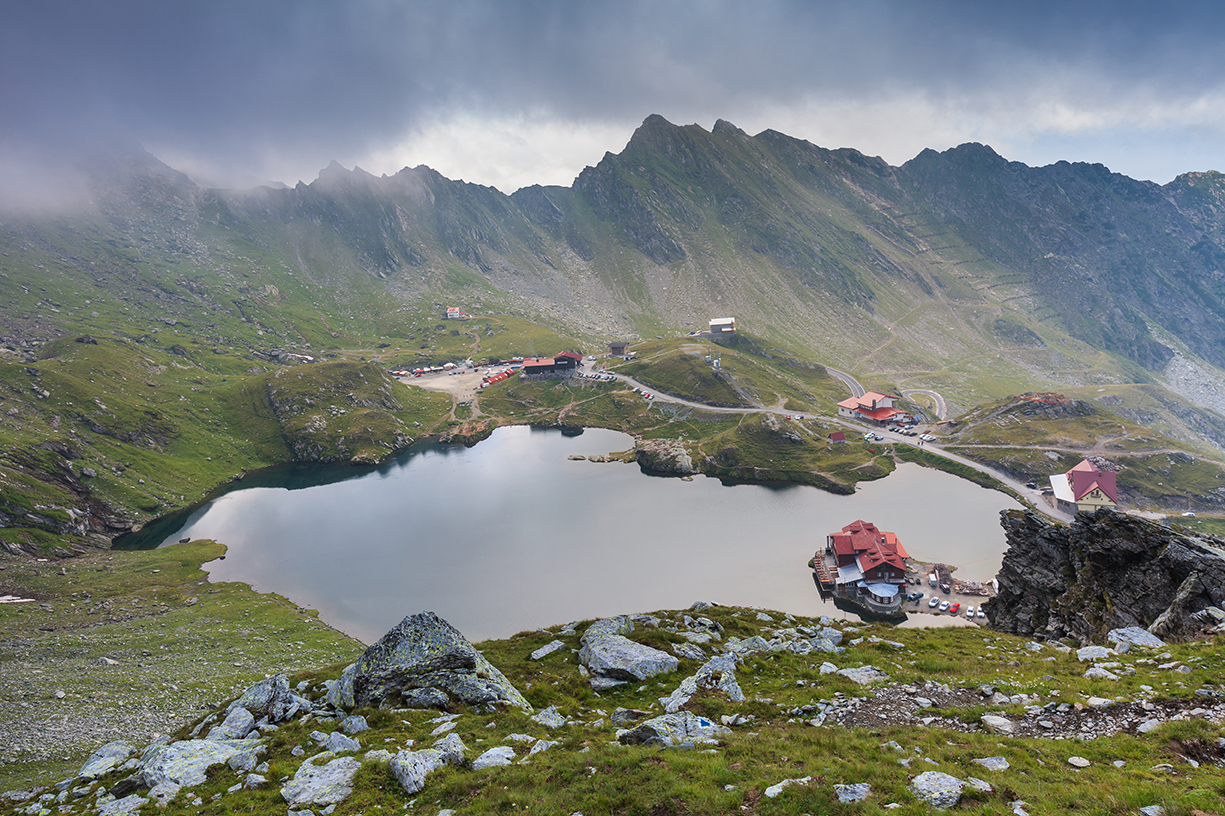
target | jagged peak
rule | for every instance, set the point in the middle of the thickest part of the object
(724, 126)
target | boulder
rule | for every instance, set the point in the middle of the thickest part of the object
(105, 760)
(993, 763)
(1094, 653)
(1098, 673)
(236, 725)
(411, 768)
(340, 692)
(1135, 636)
(852, 793)
(494, 758)
(425, 698)
(777, 788)
(682, 729)
(864, 675)
(339, 743)
(717, 674)
(425, 652)
(271, 698)
(613, 659)
(998, 724)
(121, 807)
(354, 724)
(328, 784)
(546, 650)
(186, 762)
(549, 718)
(937, 789)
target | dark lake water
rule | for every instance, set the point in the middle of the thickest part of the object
(511, 535)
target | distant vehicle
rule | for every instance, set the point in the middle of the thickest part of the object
(869, 436)
(969, 611)
(954, 609)
(1189, 514)
(944, 606)
(933, 603)
(1032, 485)
(927, 437)
(946, 589)
(878, 437)
(980, 613)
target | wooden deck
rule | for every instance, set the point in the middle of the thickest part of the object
(823, 573)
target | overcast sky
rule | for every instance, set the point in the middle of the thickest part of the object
(514, 93)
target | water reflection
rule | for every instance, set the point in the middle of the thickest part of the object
(511, 535)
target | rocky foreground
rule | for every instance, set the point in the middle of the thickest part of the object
(335, 744)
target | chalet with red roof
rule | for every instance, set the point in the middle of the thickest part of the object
(866, 566)
(871, 407)
(559, 365)
(1085, 488)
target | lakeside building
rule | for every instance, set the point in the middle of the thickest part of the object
(872, 407)
(722, 325)
(560, 365)
(865, 566)
(1085, 488)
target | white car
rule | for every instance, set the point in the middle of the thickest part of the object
(868, 436)
(969, 611)
(933, 603)
(927, 437)
(944, 606)
(980, 613)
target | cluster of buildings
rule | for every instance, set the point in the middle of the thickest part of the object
(873, 408)
(559, 365)
(865, 566)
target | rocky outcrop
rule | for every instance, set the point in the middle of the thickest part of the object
(1105, 571)
(613, 659)
(425, 652)
(664, 456)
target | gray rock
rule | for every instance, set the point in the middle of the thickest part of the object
(424, 651)
(620, 625)
(1152, 810)
(245, 760)
(105, 760)
(1136, 637)
(121, 807)
(237, 723)
(254, 781)
(998, 724)
(411, 768)
(542, 745)
(864, 675)
(340, 693)
(185, 763)
(1094, 653)
(425, 698)
(828, 668)
(1079, 762)
(271, 698)
(683, 728)
(546, 650)
(328, 784)
(687, 651)
(339, 743)
(164, 793)
(937, 789)
(549, 718)
(1099, 702)
(452, 748)
(622, 717)
(775, 790)
(1098, 673)
(979, 784)
(615, 657)
(852, 793)
(993, 763)
(354, 724)
(1148, 725)
(494, 758)
(717, 674)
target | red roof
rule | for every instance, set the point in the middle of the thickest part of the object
(837, 436)
(863, 537)
(1084, 478)
(537, 362)
(573, 355)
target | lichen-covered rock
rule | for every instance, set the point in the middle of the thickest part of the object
(271, 698)
(716, 674)
(1135, 636)
(411, 768)
(682, 729)
(1105, 571)
(185, 763)
(339, 743)
(612, 658)
(328, 784)
(105, 760)
(422, 652)
(236, 725)
(937, 789)
(494, 757)
(549, 718)
(340, 693)
(864, 675)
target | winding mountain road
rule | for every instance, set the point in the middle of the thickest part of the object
(942, 410)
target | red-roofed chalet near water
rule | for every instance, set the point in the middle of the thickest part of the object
(872, 407)
(869, 564)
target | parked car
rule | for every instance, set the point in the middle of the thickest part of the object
(933, 603)
(868, 436)
(954, 609)
(980, 613)
(944, 606)
(927, 437)
(969, 611)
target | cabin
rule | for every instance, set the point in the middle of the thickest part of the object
(871, 566)
(873, 408)
(559, 365)
(455, 313)
(837, 438)
(720, 326)
(1085, 488)
(617, 348)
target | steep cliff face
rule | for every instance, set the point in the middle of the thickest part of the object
(1106, 570)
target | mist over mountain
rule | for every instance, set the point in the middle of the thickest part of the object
(952, 257)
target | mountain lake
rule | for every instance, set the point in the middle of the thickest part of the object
(511, 534)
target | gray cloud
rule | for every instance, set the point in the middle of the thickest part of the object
(265, 89)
